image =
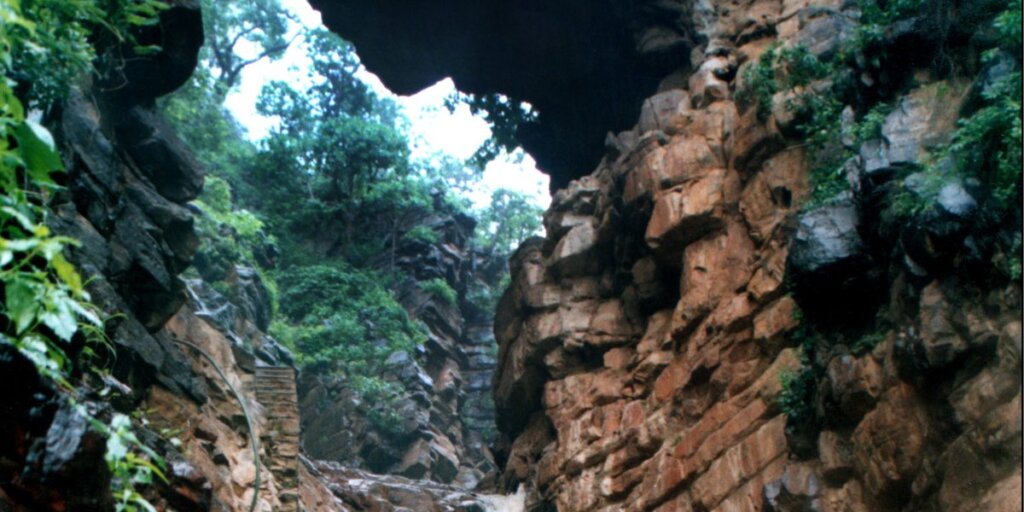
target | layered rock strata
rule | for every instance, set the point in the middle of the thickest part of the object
(646, 340)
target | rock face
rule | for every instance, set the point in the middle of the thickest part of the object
(129, 179)
(214, 434)
(645, 340)
(442, 435)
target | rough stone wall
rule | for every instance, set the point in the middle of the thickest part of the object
(214, 435)
(643, 341)
(129, 180)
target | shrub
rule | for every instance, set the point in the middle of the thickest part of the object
(778, 70)
(423, 234)
(796, 400)
(227, 236)
(986, 144)
(342, 319)
(440, 289)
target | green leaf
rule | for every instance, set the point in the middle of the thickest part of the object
(86, 313)
(23, 245)
(38, 150)
(22, 306)
(59, 316)
(117, 449)
(26, 223)
(36, 349)
(66, 272)
(150, 49)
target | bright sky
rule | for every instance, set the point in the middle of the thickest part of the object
(432, 129)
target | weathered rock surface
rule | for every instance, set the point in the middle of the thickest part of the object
(388, 493)
(644, 341)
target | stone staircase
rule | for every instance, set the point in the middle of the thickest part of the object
(276, 392)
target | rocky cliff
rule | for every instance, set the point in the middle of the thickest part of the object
(180, 352)
(447, 382)
(697, 331)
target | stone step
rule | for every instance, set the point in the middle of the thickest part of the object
(276, 391)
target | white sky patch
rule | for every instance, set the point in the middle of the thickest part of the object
(432, 128)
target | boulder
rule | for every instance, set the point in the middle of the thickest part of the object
(160, 154)
(829, 265)
(688, 212)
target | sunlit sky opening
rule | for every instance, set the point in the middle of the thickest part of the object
(432, 128)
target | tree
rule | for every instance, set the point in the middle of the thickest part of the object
(504, 115)
(336, 138)
(231, 25)
(217, 139)
(510, 219)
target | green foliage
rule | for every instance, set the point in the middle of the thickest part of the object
(131, 464)
(986, 144)
(46, 311)
(338, 160)
(381, 398)
(216, 138)
(870, 126)
(423, 234)
(44, 298)
(503, 114)
(332, 186)
(342, 319)
(759, 85)
(876, 17)
(54, 41)
(817, 112)
(822, 128)
(509, 219)
(796, 400)
(1014, 264)
(227, 236)
(441, 289)
(868, 342)
(230, 25)
(778, 69)
(217, 195)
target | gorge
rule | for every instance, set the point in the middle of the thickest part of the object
(781, 268)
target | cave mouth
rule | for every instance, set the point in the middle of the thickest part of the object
(584, 68)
